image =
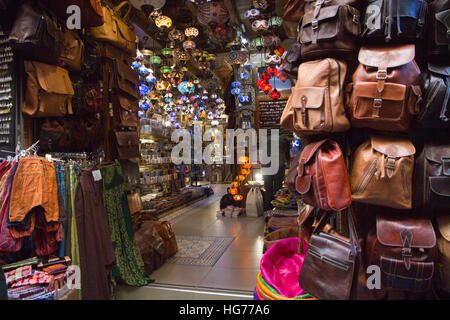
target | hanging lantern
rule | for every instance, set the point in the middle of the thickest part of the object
(236, 91)
(136, 65)
(213, 14)
(241, 178)
(176, 35)
(163, 22)
(247, 165)
(245, 172)
(143, 89)
(143, 71)
(275, 94)
(272, 41)
(258, 43)
(279, 51)
(260, 4)
(260, 25)
(167, 52)
(162, 85)
(225, 33)
(233, 191)
(155, 60)
(273, 59)
(248, 66)
(144, 106)
(236, 57)
(203, 65)
(197, 53)
(243, 159)
(234, 185)
(252, 14)
(244, 99)
(243, 76)
(189, 45)
(166, 70)
(191, 32)
(275, 22)
(180, 55)
(267, 88)
(185, 87)
(236, 84)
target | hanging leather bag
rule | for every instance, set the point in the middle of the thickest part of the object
(405, 250)
(72, 55)
(316, 104)
(432, 177)
(443, 223)
(331, 264)
(329, 31)
(435, 111)
(48, 91)
(91, 10)
(439, 30)
(382, 172)
(293, 14)
(126, 145)
(36, 35)
(394, 20)
(386, 92)
(322, 178)
(151, 246)
(166, 232)
(135, 202)
(115, 30)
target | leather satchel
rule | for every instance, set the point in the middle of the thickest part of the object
(382, 172)
(91, 10)
(48, 91)
(394, 20)
(126, 145)
(151, 246)
(386, 92)
(330, 269)
(72, 55)
(432, 177)
(405, 250)
(322, 178)
(36, 35)
(329, 31)
(439, 30)
(166, 232)
(115, 30)
(316, 104)
(135, 202)
(443, 242)
(435, 111)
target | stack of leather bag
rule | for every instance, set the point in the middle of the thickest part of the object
(379, 148)
(65, 83)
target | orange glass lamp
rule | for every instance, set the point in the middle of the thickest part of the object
(245, 171)
(241, 178)
(238, 197)
(235, 184)
(233, 191)
(247, 166)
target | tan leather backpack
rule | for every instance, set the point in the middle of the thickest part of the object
(316, 104)
(382, 172)
(386, 92)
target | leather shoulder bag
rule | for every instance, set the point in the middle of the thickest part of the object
(386, 92)
(48, 91)
(439, 27)
(435, 111)
(394, 20)
(323, 179)
(329, 271)
(405, 250)
(126, 145)
(115, 30)
(91, 10)
(166, 232)
(443, 223)
(72, 55)
(382, 172)
(316, 104)
(432, 177)
(135, 202)
(151, 246)
(293, 14)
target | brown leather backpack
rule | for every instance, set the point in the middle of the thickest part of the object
(443, 223)
(316, 104)
(382, 172)
(151, 246)
(293, 14)
(439, 30)
(165, 231)
(126, 145)
(48, 91)
(432, 177)
(72, 55)
(386, 92)
(322, 177)
(405, 250)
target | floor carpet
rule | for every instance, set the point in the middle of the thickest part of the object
(200, 251)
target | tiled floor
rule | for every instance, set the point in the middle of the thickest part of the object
(238, 267)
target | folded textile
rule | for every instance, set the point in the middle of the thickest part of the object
(18, 274)
(36, 278)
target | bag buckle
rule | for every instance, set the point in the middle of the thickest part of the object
(355, 18)
(377, 103)
(315, 24)
(382, 75)
(406, 252)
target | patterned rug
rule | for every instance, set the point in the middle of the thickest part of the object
(200, 251)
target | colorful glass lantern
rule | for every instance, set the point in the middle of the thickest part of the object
(197, 53)
(275, 22)
(150, 79)
(176, 35)
(141, 114)
(184, 88)
(236, 91)
(180, 55)
(191, 32)
(260, 25)
(233, 191)
(213, 13)
(273, 59)
(225, 33)
(144, 106)
(236, 84)
(258, 43)
(143, 89)
(243, 75)
(272, 41)
(166, 70)
(247, 165)
(167, 52)
(155, 60)
(267, 88)
(162, 85)
(236, 57)
(245, 171)
(241, 177)
(244, 99)
(243, 159)
(203, 65)
(260, 4)
(163, 22)
(143, 71)
(234, 184)
(136, 65)
(275, 94)
(189, 45)
(252, 14)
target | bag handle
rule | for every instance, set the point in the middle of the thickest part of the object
(300, 249)
(120, 6)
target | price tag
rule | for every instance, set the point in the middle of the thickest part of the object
(48, 157)
(97, 175)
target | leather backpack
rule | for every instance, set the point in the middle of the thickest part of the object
(394, 20)
(322, 178)
(126, 145)
(329, 31)
(166, 232)
(405, 250)
(432, 177)
(439, 30)
(48, 91)
(72, 55)
(382, 172)
(293, 13)
(443, 242)
(36, 35)
(435, 111)
(91, 10)
(135, 202)
(151, 246)
(385, 93)
(316, 104)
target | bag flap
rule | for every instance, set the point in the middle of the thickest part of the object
(392, 146)
(125, 30)
(127, 79)
(392, 91)
(130, 105)
(397, 269)
(309, 151)
(442, 70)
(443, 222)
(127, 138)
(436, 152)
(389, 228)
(303, 184)
(389, 57)
(53, 79)
(325, 13)
(308, 97)
(444, 18)
(440, 185)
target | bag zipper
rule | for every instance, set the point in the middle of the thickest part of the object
(405, 182)
(333, 262)
(362, 186)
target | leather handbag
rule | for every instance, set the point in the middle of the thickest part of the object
(115, 30)
(443, 243)
(125, 80)
(386, 92)
(394, 20)
(48, 91)
(36, 35)
(91, 10)
(151, 246)
(93, 96)
(72, 55)
(382, 172)
(323, 179)
(316, 104)
(435, 111)
(330, 269)
(432, 177)
(125, 111)
(135, 202)
(166, 232)
(405, 250)
(439, 30)
(126, 145)
(329, 31)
